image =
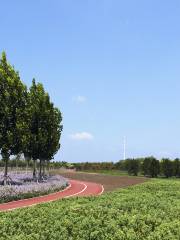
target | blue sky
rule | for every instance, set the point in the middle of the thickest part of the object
(112, 67)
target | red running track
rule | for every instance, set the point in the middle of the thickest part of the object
(76, 188)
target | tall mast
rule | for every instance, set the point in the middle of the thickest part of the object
(124, 148)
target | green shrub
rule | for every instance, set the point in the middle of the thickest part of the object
(147, 211)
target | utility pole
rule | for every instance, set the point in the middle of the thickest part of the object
(124, 148)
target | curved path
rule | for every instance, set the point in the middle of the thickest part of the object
(76, 188)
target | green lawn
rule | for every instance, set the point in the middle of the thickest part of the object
(108, 172)
(111, 172)
(147, 211)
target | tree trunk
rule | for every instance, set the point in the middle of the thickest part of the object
(27, 159)
(16, 167)
(27, 166)
(48, 166)
(34, 168)
(44, 162)
(5, 157)
(40, 169)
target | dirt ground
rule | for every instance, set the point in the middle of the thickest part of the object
(109, 182)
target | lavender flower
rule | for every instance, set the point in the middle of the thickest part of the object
(52, 184)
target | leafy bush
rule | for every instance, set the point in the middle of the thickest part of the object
(148, 211)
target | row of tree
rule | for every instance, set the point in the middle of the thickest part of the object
(29, 122)
(149, 166)
(94, 166)
(17, 162)
(152, 167)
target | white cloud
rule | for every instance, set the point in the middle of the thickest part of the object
(79, 99)
(82, 136)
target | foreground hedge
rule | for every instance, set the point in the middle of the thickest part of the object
(147, 211)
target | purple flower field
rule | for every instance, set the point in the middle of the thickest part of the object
(27, 188)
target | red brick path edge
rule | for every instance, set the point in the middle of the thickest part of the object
(75, 188)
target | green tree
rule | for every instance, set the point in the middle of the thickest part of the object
(176, 167)
(154, 167)
(44, 127)
(13, 95)
(133, 166)
(34, 119)
(167, 167)
(51, 129)
(145, 166)
(151, 167)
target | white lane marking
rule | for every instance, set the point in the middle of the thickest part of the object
(85, 187)
(101, 190)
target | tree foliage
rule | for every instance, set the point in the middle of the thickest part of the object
(176, 167)
(151, 167)
(29, 122)
(13, 95)
(167, 167)
(44, 124)
(133, 166)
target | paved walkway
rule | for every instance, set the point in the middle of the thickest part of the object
(76, 188)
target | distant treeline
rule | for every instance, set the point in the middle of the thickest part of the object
(95, 166)
(149, 166)
(19, 163)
